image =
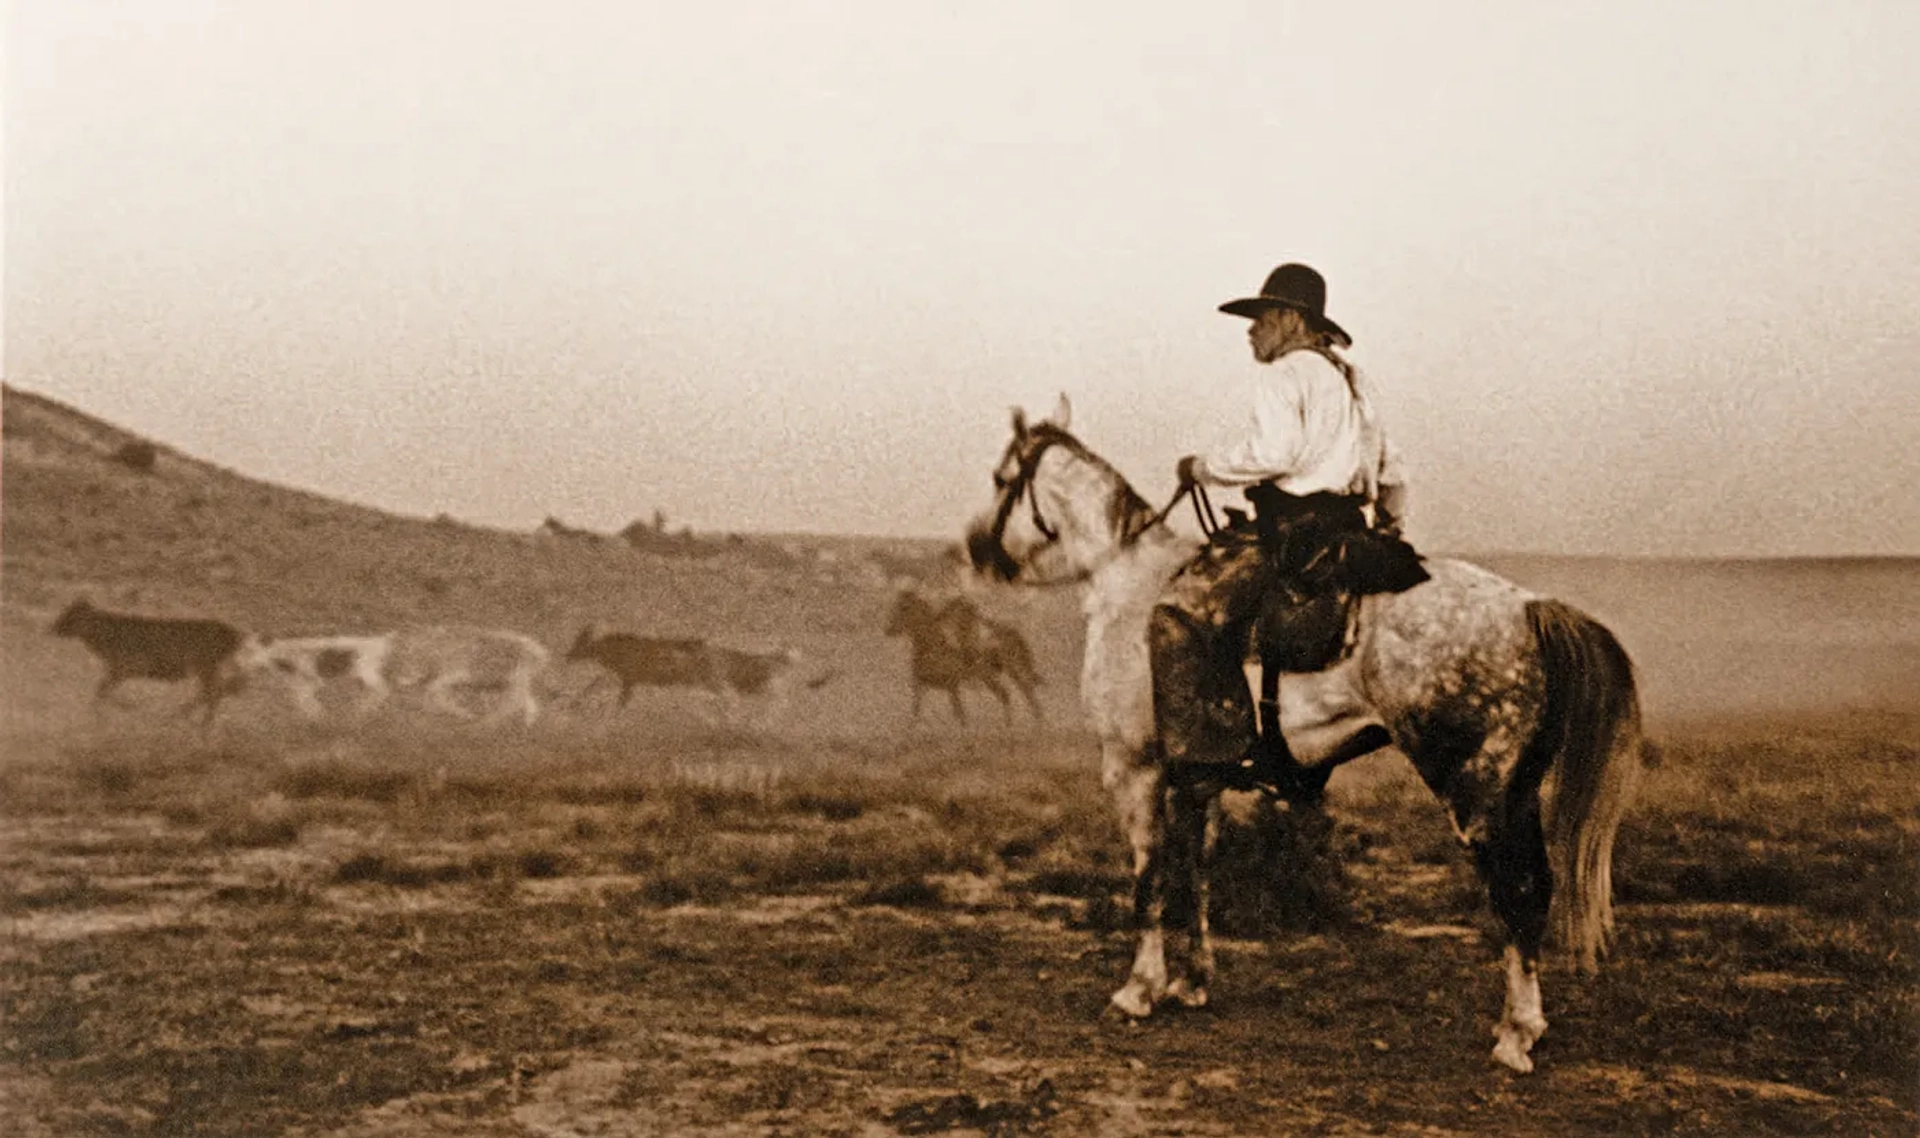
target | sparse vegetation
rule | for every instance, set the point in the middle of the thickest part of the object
(1737, 907)
(138, 455)
(838, 921)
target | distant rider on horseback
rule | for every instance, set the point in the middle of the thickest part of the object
(1329, 496)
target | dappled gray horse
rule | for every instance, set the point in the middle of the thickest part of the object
(1487, 688)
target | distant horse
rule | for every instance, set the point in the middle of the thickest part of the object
(955, 644)
(1486, 687)
(442, 662)
(157, 648)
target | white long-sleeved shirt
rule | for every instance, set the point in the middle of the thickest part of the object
(1309, 432)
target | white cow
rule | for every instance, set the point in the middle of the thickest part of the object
(442, 662)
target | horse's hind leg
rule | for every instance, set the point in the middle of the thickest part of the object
(1521, 885)
(1000, 692)
(959, 709)
(1510, 851)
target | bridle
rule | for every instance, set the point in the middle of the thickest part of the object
(1020, 485)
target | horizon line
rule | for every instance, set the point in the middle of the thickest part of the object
(443, 516)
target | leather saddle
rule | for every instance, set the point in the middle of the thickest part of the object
(1326, 557)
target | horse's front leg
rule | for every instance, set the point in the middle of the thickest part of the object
(1192, 825)
(1139, 792)
(1033, 701)
(104, 692)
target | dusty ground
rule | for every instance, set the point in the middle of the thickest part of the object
(849, 923)
(397, 933)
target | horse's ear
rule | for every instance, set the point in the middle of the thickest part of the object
(1019, 423)
(1062, 414)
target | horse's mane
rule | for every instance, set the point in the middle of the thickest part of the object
(1127, 512)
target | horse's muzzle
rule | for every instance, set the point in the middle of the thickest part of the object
(990, 556)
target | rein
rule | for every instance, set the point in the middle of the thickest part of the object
(1202, 513)
(1202, 509)
(1021, 486)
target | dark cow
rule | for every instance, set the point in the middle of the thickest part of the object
(690, 662)
(154, 648)
(644, 661)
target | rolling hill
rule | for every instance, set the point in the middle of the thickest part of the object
(82, 515)
(88, 508)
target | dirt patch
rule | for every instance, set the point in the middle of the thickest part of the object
(680, 961)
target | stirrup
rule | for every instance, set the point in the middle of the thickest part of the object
(1261, 769)
(1272, 770)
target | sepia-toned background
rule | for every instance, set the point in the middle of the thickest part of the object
(704, 324)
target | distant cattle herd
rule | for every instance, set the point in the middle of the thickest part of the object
(490, 674)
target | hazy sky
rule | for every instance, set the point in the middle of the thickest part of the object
(1632, 277)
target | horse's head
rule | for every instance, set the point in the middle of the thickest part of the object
(1059, 511)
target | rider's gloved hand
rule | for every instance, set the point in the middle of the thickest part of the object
(1183, 470)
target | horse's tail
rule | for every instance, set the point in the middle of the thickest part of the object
(1589, 738)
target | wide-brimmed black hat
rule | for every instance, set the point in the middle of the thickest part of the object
(1292, 286)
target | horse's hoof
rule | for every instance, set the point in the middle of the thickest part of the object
(1132, 1001)
(1187, 994)
(1512, 1054)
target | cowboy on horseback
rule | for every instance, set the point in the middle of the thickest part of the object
(1329, 495)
